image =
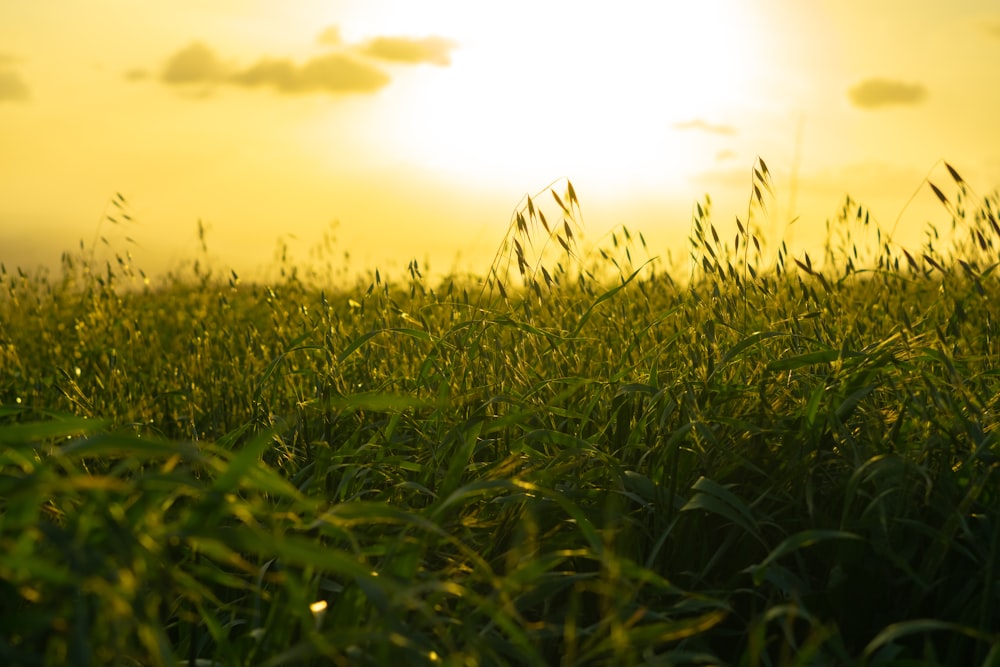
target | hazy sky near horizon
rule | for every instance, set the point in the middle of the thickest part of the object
(416, 127)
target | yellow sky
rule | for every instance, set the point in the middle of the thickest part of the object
(418, 126)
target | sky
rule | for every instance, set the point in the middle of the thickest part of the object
(393, 130)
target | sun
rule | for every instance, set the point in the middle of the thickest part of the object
(544, 90)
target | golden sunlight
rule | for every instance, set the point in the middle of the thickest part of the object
(418, 126)
(539, 91)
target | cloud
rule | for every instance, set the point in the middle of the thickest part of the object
(334, 73)
(137, 74)
(330, 36)
(12, 87)
(704, 126)
(196, 63)
(875, 93)
(278, 73)
(349, 69)
(433, 50)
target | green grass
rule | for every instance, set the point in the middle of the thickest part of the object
(581, 457)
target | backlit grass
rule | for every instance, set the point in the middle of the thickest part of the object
(581, 457)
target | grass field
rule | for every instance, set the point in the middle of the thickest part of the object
(579, 457)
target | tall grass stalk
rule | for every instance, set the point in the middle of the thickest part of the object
(575, 458)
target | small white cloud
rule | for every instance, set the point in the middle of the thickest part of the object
(334, 73)
(330, 36)
(13, 88)
(876, 93)
(196, 63)
(348, 69)
(433, 50)
(702, 125)
(137, 74)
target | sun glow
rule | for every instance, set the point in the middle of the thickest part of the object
(537, 92)
(418, 126)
